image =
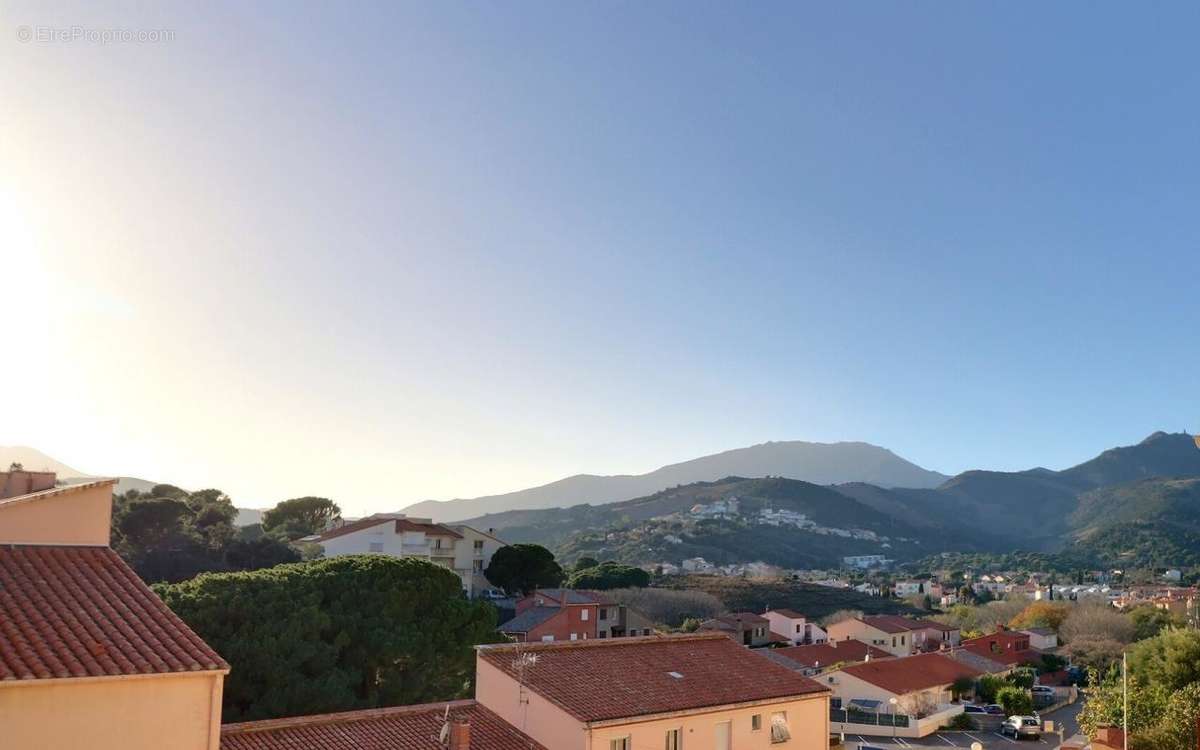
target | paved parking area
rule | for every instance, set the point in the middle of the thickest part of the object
(990, 740)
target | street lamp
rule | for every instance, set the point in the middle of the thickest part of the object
(893, 701)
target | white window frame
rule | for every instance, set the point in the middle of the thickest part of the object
(584, 615)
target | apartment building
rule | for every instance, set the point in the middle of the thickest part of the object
(89, 656)
(463, 549)
(700, 690)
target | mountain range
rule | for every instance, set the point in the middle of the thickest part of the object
(818, 463)
(1120, 503)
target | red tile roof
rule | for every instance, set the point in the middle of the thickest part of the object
(401, 524)
(825, 654)
(399, 728)
(892, 623)
(82, 612)
(620, 678)
(910, 673)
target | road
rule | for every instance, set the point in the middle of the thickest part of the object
(1067, 715)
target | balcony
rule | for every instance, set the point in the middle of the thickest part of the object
(421, 550)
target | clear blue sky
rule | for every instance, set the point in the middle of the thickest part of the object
(470, 247)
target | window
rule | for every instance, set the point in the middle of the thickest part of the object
(797, 627)
(376, 546)
(779, 728)
(478, 566)
(674, 739)
(893, 641)
(574, 636)
(479, 545)
(547, 639)
(602, 634)
(756, 722)
(583, 615)
(646, 631)
(620, 743)
(603, 613)
(437, 543)
(901, 640)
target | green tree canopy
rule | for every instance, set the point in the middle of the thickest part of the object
(338, 634)
(301, 517)
(1015, 700)
(520, 568)
(1149, 621)
(169, 534)
(585, 562)
(609, 575)
(1170, 660)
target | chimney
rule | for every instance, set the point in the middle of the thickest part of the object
(460, 736)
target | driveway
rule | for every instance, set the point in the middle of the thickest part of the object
(1067, 715)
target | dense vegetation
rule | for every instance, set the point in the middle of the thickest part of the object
(333, 635)
(520, 568)
(743, 594)
(169, 534)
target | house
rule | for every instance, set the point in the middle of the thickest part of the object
(696, 565)
(863, 562)
(919, 686)
(904, 589)
(463, 549)
(794, 626)
(817, 658)
(89, 656)
(559, 615)
(1042, 639)
(1005, 646)
(698, 690)
(470, 727)
(897, 635)
(746, 628)
(1173, 574)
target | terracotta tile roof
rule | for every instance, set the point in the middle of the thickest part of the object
(825, 654)
(793, 614)
(891, 623)
(399, 728)
(620, 678)
(910, 673)
(430, 529)
(82, 612)
(401, 524)
(353, 526)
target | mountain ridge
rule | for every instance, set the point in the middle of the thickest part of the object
(817, 463)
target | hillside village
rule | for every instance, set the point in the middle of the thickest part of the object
(801, 681)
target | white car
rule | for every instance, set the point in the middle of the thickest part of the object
(1019, 727)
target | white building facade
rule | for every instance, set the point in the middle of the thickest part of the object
(463, 549)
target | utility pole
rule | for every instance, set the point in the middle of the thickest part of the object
(1125, 698)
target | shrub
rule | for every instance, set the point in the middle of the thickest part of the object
(1015, 700)
(962, 722)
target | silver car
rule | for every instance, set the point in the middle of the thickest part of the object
(1018, 727)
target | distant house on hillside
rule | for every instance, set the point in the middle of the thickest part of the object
(1005, 646)
(795, 627)
(745, 628)
(549, 615)
(1042, 639)
(899, 636)
(460, 548)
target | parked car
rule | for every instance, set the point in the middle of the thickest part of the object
(971, 708)
(1043, 690)
(994, 709)
(1019, 727)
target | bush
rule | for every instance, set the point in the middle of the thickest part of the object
(1015, 700)
(987, 687)
(609, 575)
(350, 632)
(962, 722)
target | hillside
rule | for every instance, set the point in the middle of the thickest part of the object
(34, 460)
(818, 463)
(1038, 510)
(784, 522)
(746, 595)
